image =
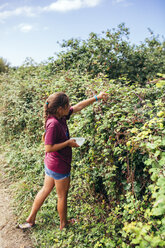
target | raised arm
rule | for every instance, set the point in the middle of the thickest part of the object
(79, 106)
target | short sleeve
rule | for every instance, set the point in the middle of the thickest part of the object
(70, 113)
(51, 134)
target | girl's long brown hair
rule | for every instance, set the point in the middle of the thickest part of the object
(51, 105)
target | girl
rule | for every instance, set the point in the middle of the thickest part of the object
(58, 156)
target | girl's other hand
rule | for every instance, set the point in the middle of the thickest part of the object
(103, 95)
(72, 143)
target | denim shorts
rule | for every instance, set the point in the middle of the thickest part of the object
(56, 176)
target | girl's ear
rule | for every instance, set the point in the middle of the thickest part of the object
(59, 110)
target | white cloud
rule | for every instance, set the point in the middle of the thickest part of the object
(58, 6)
(67, 5)
(25, 28)
(25, 11)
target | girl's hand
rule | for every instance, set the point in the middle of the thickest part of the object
(72, 143)
(102, 95)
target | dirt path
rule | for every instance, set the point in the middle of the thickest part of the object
(10, 236)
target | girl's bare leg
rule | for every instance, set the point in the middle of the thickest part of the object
(40, 197)
(62, 187)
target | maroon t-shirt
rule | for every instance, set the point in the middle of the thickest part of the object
(57, 132)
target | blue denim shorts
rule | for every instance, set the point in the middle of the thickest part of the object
(56, 176)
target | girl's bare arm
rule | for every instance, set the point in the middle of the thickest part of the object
(79, 106)
(56, 147)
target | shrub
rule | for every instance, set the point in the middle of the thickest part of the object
(117, 176)
(4, 65)
(112, 54)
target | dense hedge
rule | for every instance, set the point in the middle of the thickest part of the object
(112, 53)
(118, 176)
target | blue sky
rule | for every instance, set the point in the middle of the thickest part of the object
(31, 28)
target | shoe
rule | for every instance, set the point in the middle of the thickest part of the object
(25, 226)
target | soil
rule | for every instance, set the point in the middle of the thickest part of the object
(10, 235)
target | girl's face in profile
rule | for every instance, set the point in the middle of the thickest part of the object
(64, 111)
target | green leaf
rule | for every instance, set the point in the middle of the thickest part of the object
(160, 84)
